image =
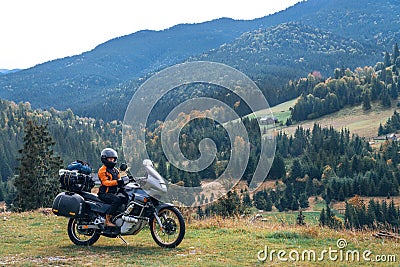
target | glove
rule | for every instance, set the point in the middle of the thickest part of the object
(120, 183)
(123, 167)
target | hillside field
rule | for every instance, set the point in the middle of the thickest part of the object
(358, 121)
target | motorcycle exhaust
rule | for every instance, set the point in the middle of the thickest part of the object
(130, 219)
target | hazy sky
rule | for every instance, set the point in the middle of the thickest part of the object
(36, 31)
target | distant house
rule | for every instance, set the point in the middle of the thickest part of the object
(371, 143)
(391, 137)
(269, 120)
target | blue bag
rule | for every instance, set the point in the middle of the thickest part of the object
(80, 166)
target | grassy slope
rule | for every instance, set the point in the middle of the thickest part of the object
(358, 121)
(36, 239)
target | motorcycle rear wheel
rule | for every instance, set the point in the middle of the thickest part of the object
(172, 231)
(81, 237)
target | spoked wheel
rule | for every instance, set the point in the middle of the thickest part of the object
(81, 237)
(170, 234)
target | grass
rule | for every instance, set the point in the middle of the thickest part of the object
(37, 239)
(289, 218)
(281, 111)
(357, 120)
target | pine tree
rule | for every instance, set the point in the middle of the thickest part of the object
(1, 191)
(300, 219)
(246, 200)
(303, 201)
(173, 174)
(392, 214)
(385, 98)
(371, 212)
(328, 215)
(366, 101)
(37, 182)
(200, 212)
(322, 218)
(341, 195)
(396, 52)
(269, 204)
(162, 167)
(380, 129)
(310, 188)
(348, 215)
(295, 204)
(278, 169)
(384, 211)
(259, 200)
(296, 170)
(386, 59)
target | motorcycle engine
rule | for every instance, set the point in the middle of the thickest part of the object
(118, 222)
(126, 223)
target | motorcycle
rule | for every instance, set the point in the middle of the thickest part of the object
(86, 212)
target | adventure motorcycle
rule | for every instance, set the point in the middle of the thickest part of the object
(87, 212)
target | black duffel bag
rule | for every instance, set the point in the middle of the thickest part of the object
(75, 181)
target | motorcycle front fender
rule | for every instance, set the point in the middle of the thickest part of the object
(164, 205)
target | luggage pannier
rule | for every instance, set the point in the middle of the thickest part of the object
(68, 204)
(75, 181)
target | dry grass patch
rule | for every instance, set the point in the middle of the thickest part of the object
(358, 121)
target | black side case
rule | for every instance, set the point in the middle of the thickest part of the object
(68, 204)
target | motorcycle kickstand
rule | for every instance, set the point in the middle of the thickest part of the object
(126, 243)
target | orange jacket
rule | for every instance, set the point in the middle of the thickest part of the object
(109, 182)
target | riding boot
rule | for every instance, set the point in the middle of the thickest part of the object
(108, 221)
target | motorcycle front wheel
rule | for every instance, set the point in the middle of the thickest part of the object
(81, 237)
(170, 234)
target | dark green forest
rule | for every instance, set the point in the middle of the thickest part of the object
(392, 125)
(75, 137)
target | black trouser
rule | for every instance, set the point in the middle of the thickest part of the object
(112, 199)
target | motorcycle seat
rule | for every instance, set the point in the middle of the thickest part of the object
(90, 196)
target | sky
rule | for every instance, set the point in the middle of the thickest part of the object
(33, 32)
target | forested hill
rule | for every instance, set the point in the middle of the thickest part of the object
(375, 22)
(275, 55)
(294, 47)
(91, 75)
(264, 56)
(349, 88)
(75, 137)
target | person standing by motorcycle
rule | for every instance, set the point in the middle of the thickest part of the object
(110, 182)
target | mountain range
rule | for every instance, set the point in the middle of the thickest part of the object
(312, 35)
(5, 71)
